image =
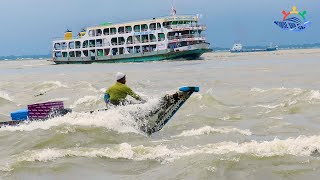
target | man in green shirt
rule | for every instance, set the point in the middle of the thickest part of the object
(118, 92)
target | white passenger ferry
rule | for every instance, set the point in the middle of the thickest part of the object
(173, 37)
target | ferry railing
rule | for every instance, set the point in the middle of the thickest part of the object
(186, 36)
(63, 39)
(116, 56)
(185, 26)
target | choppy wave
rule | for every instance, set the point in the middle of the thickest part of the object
(207, 99)
(58, 99)
(267, 90)
(289, 97)
(119, 119)
(6, 168)
(208, 130)
(111, 119)
(87, 86)
(87, 101)
(314, 95)
(271, 106)
(211, 169)
(5, 96)
(301, 146)
(231, 117)
(307, 94)
(49, 86)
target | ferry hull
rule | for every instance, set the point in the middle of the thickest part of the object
(192, 54)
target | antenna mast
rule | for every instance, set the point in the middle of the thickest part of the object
(173, 9)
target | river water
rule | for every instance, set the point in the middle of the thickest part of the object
(252, 119)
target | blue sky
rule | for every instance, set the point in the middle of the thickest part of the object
(28, 26)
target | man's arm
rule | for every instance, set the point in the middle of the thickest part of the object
(134, 95)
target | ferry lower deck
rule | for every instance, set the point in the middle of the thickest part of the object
(191, 52)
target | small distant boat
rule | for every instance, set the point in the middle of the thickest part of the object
(272, 48)
(237, 48)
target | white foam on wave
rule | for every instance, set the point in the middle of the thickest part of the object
(301, 146)
(5, 168)
(103, 90)
(314, 95)
(110, 119)
(297, 95)
(265, 90)
(5, 96)
(119, 119)
(200, 96)
(88, 86)
(296, 91)
(58, 99)
(277, 118)
(208, 130)
(67, 130)
(51, 85)
(87, 101)
(228, 117)
(211, 169)
(271, 106)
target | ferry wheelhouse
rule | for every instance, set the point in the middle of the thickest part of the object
(174, 37)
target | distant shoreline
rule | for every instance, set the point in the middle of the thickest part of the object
(283, 54)
(218, 53)
(249, 47)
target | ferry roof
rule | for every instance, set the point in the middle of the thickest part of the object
(161, 19)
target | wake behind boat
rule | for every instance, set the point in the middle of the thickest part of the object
(149, 123)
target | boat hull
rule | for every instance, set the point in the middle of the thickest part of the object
(189, 54)
(254, 50)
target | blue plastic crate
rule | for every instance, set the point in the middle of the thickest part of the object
(20, 115)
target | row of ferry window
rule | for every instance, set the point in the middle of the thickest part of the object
(107, 52)
(114, 41)
(125, 29)
(137, 28)
(120, 50)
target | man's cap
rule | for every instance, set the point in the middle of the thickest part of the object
(119, 76)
